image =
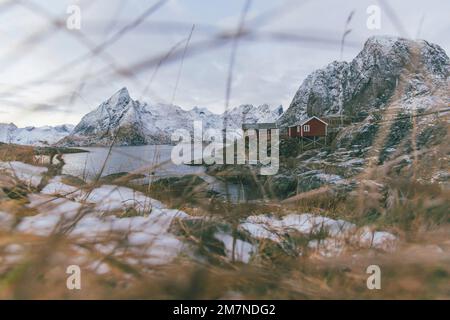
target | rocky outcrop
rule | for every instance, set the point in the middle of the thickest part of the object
(387, 68)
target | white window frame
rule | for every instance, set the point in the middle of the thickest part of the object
(306, 128)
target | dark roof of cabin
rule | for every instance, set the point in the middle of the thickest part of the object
(267, 125)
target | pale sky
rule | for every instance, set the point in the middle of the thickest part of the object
(284, 42)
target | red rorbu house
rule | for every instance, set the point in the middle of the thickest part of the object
(312, 127)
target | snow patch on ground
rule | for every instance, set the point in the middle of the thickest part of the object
(265, 226)
(56, 187)
(106, 197)
(26, 173)
(147, 236)
(338, 232)
(110, 197)
(243, 249)
(329, 247)
(377, 239)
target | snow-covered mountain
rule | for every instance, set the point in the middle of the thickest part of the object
(412, 73)
(125, 121)
(37, 136)
(247, 113)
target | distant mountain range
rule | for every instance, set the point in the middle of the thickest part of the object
(130, 122)
(38, 136)
(125, 121)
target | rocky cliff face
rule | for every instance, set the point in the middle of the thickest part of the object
(387, 68)
(125, 121)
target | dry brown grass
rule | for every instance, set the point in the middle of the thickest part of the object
(419, 269)
(12, 152)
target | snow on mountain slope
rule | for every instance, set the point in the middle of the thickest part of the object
(37, 136)
(247, 113)
(125, 121)
(387, 68)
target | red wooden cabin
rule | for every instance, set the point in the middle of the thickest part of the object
(312, 127)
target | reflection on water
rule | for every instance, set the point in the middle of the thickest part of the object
(153, 161)
(148, 160)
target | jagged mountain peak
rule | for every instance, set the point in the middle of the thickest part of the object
(384, 43)
(120, 96)
(387, 43)
(386, 65)
(116, 119)
(401, 52)
(118, 101)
